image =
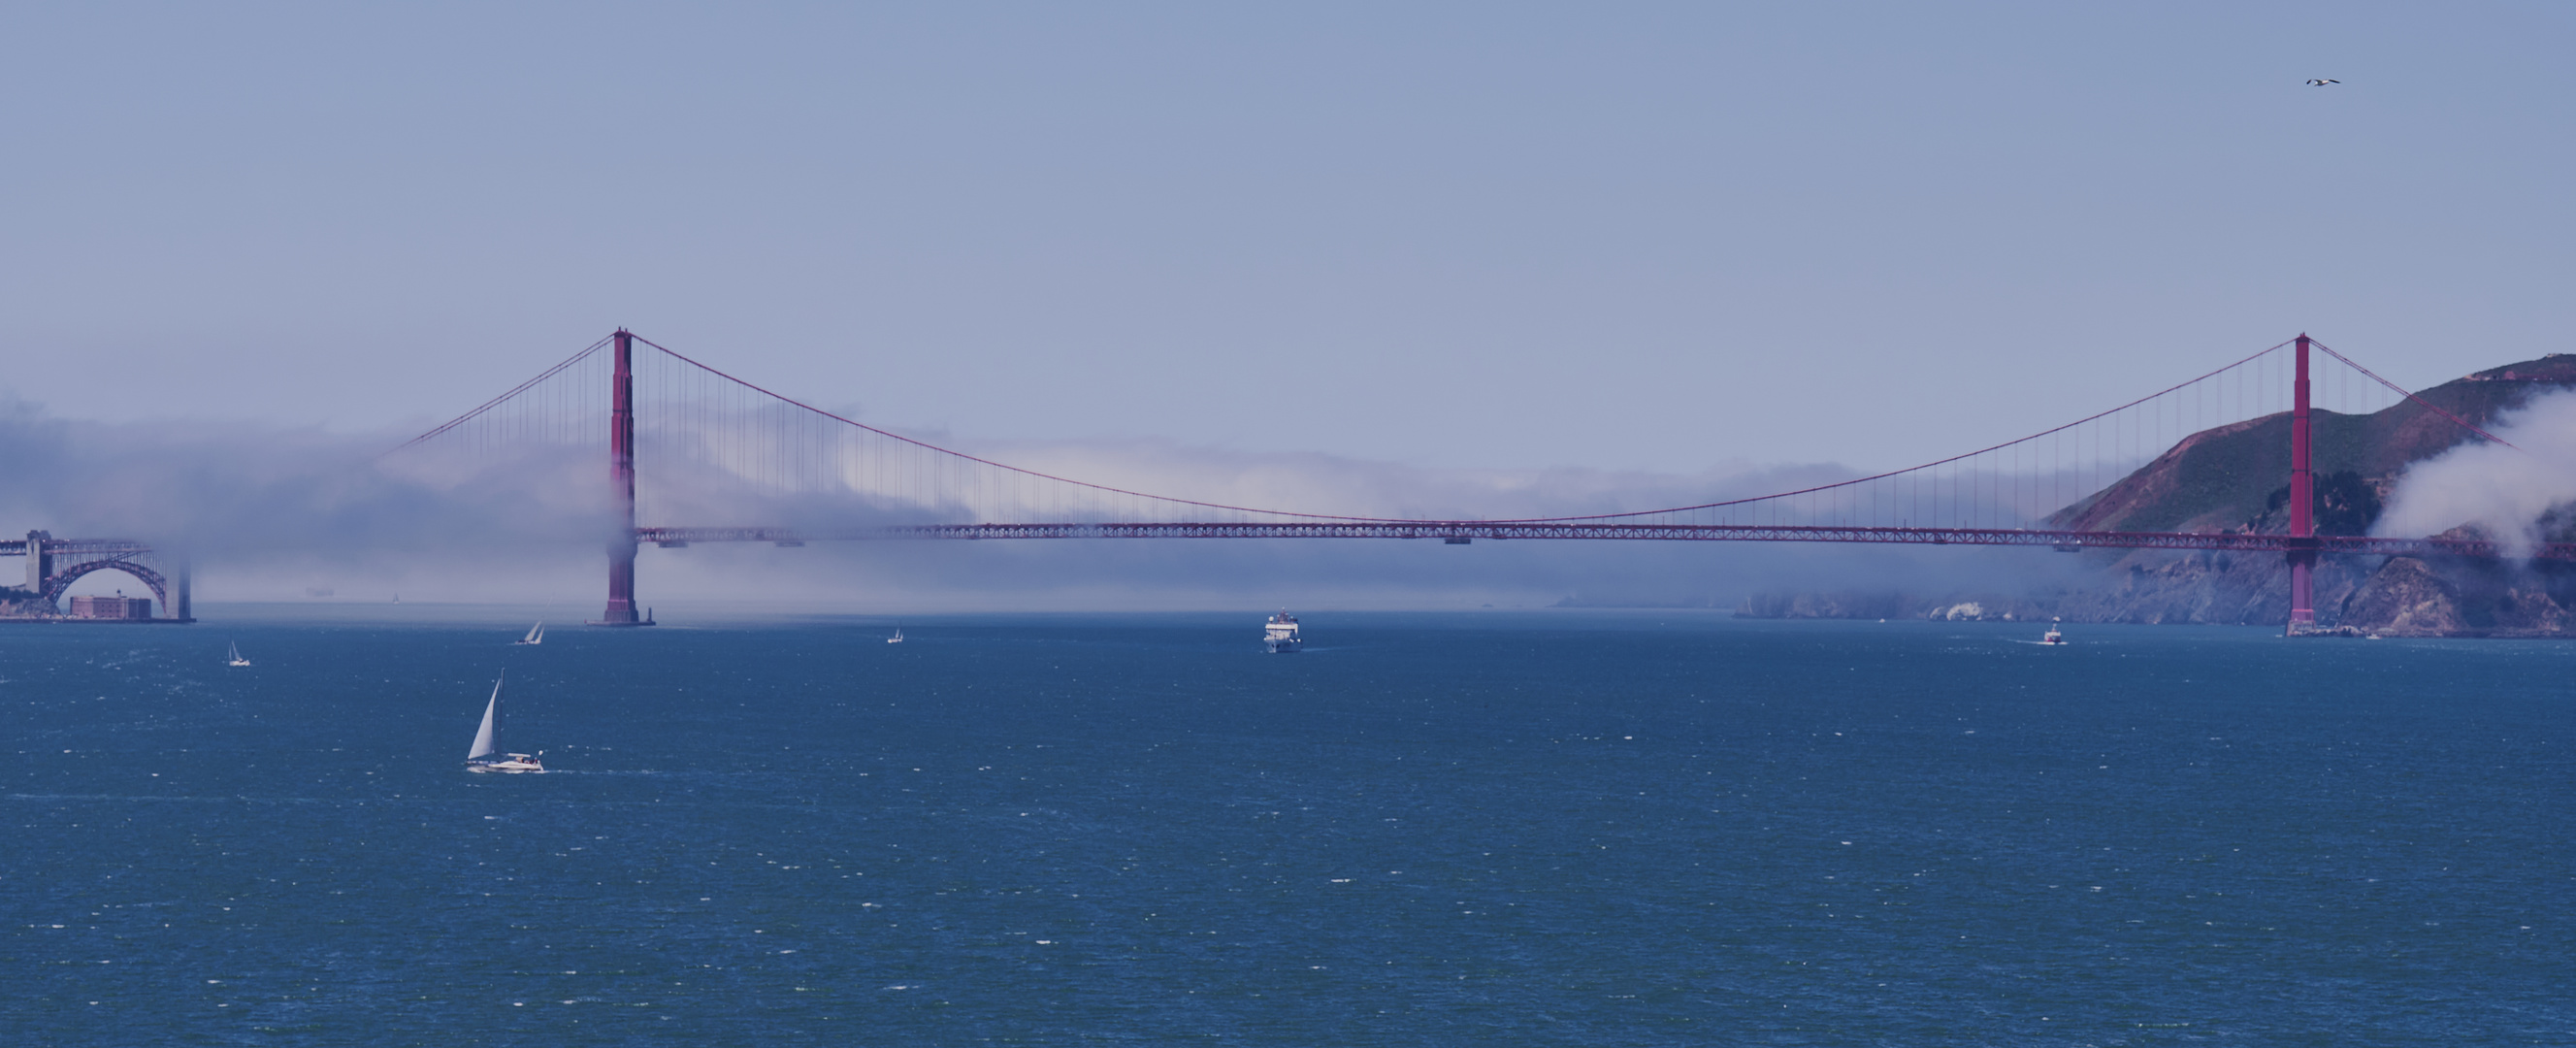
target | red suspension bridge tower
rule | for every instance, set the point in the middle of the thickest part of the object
(621, 479)
(2303, 524)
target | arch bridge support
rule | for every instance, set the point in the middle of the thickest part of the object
(54, 564)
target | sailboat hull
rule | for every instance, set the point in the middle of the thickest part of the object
(518, 764)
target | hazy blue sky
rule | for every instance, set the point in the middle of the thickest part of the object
(1476, 234)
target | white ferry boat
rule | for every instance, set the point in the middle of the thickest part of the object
(2052, 636)
(1280, 636)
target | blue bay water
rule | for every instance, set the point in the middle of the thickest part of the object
(1497, 828)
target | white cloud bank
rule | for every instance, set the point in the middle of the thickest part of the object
(2507, 491)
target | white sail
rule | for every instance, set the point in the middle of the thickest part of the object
(487, 738)
(536, 634)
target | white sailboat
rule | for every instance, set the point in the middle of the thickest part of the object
(487, 754)
(898, 636)
(232, 655)
(536, 635)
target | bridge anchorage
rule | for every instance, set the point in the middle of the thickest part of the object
(54, 564)
(710, 444)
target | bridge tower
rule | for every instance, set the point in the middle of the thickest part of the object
(621, 479)
(40, 561)
(2303, 524)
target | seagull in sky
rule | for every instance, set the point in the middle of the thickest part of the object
(2322, 83)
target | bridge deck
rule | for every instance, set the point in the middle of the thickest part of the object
(1463, 529)
(77, 547)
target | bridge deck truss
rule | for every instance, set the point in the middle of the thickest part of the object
(2070, 541)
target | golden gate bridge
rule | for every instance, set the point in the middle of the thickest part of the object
(696, 455)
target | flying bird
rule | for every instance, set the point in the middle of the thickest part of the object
(2322, 83)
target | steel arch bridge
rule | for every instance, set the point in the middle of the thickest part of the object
(53, 565)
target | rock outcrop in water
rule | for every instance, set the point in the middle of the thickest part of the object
(2235, 478)
(18, 603)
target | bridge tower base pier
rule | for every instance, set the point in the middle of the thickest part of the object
(182, 601)
(621, 589)
(2303, 590)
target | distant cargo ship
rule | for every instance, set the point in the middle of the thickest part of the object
(1280, 636)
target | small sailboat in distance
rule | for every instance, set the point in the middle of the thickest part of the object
(487, 754)
(898, 636)
(232, 655)
(536, 635)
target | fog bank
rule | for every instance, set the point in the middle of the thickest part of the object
(280, 513)
(2509, 492)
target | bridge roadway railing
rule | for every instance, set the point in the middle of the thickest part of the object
(78, 547)
(1454, 530)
